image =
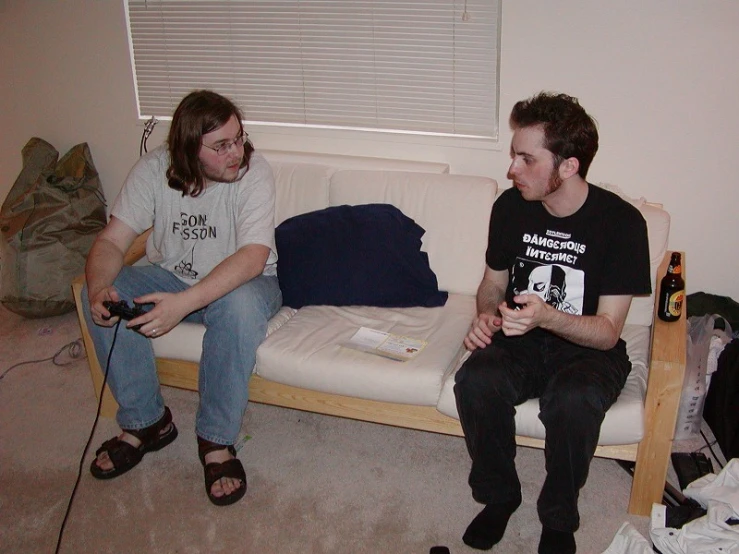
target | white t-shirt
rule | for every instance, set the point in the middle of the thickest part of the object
(192, 235)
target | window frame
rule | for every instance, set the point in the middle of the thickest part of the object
(313, 130)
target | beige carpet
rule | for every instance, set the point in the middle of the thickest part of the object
(317, 484)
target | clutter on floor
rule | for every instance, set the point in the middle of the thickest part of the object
(715, 531)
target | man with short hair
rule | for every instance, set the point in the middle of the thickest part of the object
(540, 337)
(210, 199)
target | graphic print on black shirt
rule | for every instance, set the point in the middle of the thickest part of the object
(559, 286)
(571, 261)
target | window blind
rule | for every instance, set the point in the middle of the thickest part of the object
(415, 66)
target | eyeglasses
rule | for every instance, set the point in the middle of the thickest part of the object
(224, 147)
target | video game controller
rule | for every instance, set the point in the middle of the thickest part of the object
(124, 311)
(514, 305)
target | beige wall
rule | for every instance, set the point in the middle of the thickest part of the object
(660, 76)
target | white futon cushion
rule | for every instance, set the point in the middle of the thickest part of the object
(306, 351)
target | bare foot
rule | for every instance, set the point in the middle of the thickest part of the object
(104, 462)
(226, 485)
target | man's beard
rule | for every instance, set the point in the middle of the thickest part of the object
(211, 176)
(555, 181)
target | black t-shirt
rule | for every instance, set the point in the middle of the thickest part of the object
(602, 249)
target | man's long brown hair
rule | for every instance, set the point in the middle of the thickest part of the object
(199, 113)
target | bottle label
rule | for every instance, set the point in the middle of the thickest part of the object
(675, 303)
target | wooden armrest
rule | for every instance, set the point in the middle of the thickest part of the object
(137, 249)
(664, 387)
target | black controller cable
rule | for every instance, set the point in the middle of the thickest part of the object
(73, 349)
(148, 128)
(709, 445)
(89, 440)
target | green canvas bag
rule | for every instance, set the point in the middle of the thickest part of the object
(48, 221)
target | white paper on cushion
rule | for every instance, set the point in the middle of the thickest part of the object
(624, 422)
(453, 209)
(306, 352)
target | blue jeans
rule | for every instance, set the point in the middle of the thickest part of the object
(235, 324)
(575, 386)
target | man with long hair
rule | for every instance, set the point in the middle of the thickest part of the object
(526, 344)
(210, 199)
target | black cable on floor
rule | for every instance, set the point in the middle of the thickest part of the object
(710, 447)
(75, 349)
(702, 448)
(671, 496)
(89, 440)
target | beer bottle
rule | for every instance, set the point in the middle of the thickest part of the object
(671, 291)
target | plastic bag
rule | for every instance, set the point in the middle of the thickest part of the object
(49, 221)
(701, 334)
(722, 401)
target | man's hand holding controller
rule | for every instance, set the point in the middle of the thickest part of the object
(124, 311)
(485, 325)
(528, 313)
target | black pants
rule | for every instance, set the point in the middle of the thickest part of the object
(575, 385)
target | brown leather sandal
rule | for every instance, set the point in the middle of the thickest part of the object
(215, 471)
(125, 456)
